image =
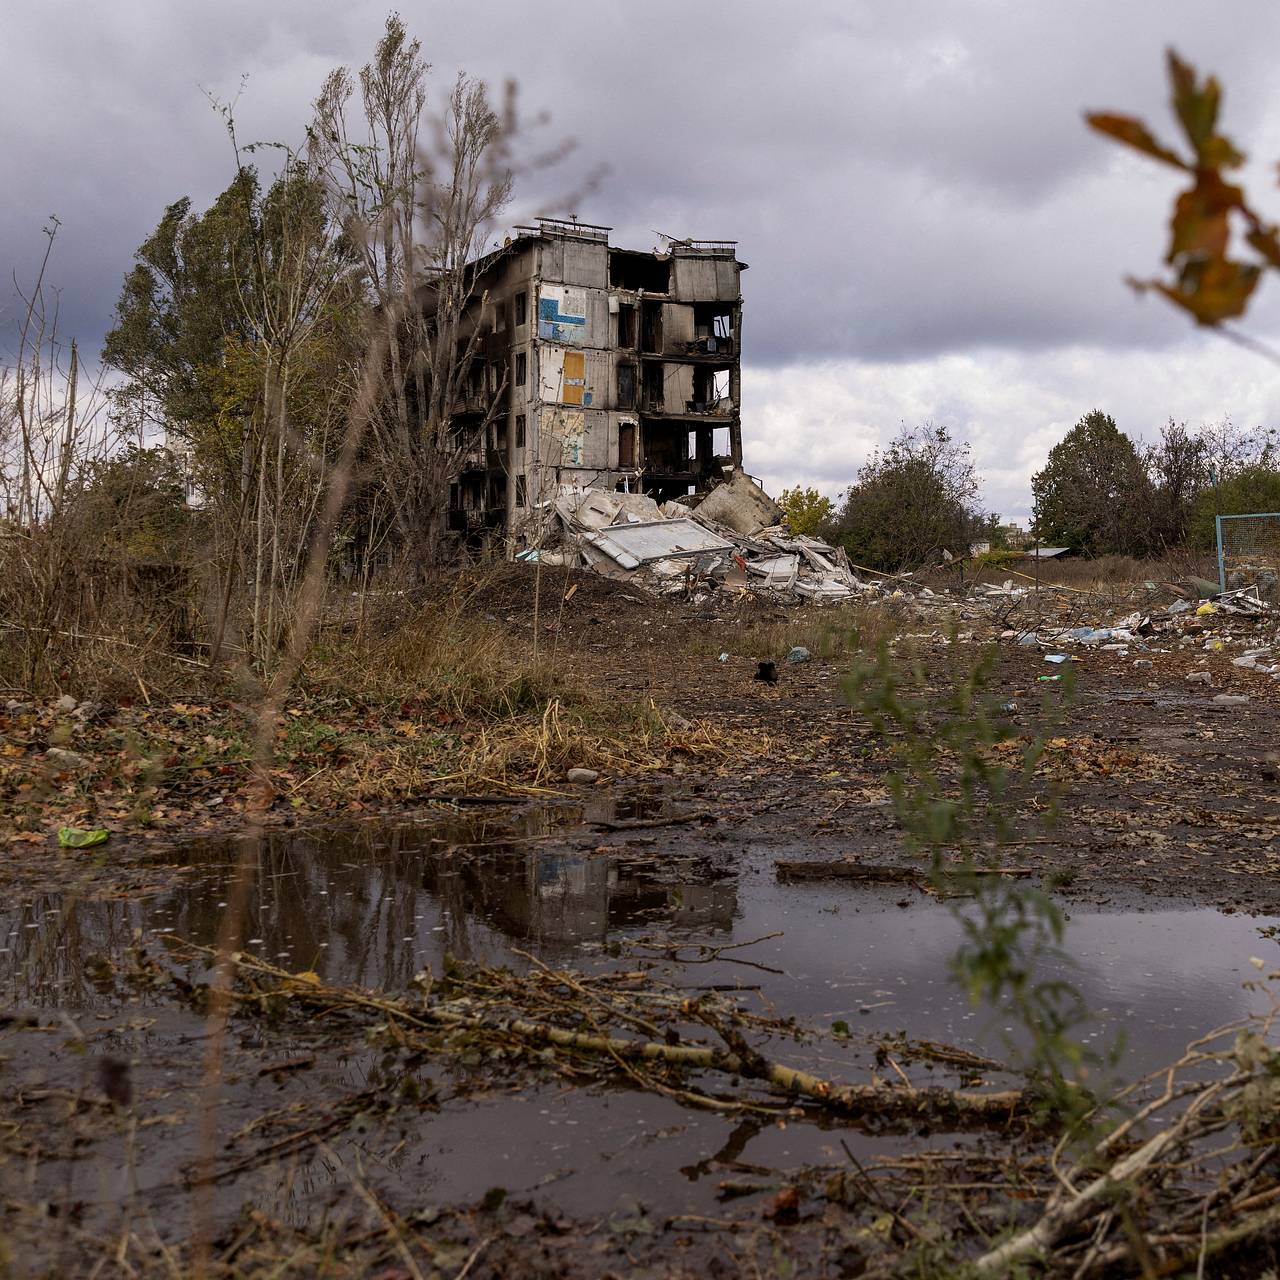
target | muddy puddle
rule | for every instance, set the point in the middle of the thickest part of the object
(576, 887)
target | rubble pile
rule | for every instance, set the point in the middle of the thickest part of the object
(734, 540)
(732, 537)
(1224, 622)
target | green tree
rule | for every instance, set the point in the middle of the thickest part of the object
(1179, 466)
(1254, 489)
(910, 503)
(187, 294)
(807, 510)
(1087, 493)
(133, 503)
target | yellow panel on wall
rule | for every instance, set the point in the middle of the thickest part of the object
(575, 377)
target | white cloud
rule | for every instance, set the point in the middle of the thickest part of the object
(932, 231)
(817, 423)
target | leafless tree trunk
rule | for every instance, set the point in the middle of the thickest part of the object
(421, 212)
(50, 431)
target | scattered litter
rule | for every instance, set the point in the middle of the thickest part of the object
(1057, 657)
(81, 838)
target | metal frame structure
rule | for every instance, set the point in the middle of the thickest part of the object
(1217, 526)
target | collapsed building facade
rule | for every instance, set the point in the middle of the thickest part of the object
(613, 369)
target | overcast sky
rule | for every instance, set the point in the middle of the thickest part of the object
(933, 234)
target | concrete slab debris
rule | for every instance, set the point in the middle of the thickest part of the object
(683, 547)
(632, 545)
(740, 505)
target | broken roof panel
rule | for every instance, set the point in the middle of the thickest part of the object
(631, 545)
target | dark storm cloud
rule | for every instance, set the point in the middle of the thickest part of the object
(905, 180)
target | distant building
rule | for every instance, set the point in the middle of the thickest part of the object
(622, 372)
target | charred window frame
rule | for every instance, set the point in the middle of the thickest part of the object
(655, 387)
(626, 444)
(627, 326)
(651, 328)
(522, 308)
(645, 271)
(626, 386)
(522, 368)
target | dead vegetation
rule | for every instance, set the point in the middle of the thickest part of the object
(626, 1022)
(445, 703)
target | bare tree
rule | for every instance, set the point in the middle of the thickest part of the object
(51, 429)
(419, 195)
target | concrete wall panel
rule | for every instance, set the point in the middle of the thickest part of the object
(694, 278)
(677, 325)
(584, 264)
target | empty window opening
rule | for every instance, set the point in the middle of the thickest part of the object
(712, 327)
(666, 450)
(651, 327)
(522, 492)
(522, 368)
(626, 386)
(654, 388)
(626, 325)
(639, 271)
(626, 444)
(519, 430)
(522, 309)
(710, 391)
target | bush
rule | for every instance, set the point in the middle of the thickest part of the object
(911, 503)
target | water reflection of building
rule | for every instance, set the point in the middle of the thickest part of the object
(569, 897)
(364, 905)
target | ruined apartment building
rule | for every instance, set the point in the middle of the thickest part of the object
(622, 372)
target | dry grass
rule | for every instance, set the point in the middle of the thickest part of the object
(1104, 573)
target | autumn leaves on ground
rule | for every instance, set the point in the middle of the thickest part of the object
(445, 699)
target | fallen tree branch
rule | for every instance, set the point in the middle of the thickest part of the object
(898, 1100)
(643, 824)
(847, 869)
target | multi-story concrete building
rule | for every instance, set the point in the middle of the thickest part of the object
(615, 369)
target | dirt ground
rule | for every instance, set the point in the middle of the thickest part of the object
(1162, 790)
(1164, 798)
